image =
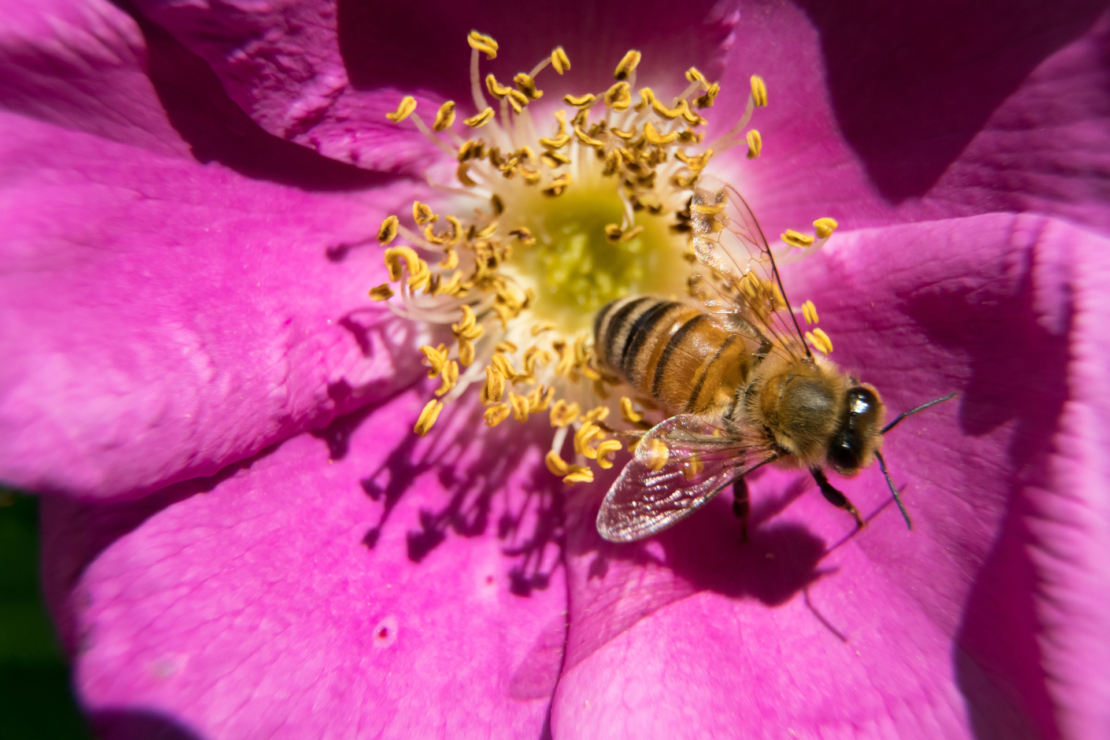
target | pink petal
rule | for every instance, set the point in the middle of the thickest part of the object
(81, 65)
(918, 111)
(987, 618)
(409, 588)
(324, 74)
(161, 319)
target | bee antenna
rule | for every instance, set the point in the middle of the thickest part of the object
(893, 490)
(911, 412)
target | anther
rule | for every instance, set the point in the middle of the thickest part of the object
(655, 138)
(404, 110)
(707, 100)
(445, 116)
(496, 414)
(825, 227)
(556, 464)
(520, 407)
(627, 65)
(494, 387)
(527, 86)
(605, 452)
(809, 311)
(387, 231)
(382, 292)
(579, 474)
(579, 101)
(796, 239)
(480, 119)
(427, 417)
(559, 60)
(483, 43)
(450, 377)
(422, 213)
(820, 341)
(563, 413)
(619, 96)
(759, 91)
(627, 412)
(755, 143)
(657, 455)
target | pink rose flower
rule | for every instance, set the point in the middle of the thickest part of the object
(242, 536)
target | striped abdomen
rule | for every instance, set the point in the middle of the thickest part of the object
(672, 353)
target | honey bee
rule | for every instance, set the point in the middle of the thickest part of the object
(737, 381)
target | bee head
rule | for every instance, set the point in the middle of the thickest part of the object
(855, 442)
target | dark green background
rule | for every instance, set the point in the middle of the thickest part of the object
(35, 696)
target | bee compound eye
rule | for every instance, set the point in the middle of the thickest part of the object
(844, 452)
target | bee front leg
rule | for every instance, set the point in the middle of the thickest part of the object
(835, 497)
(741, 506)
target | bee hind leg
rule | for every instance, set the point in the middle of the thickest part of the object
(835, 497)
(741, 506)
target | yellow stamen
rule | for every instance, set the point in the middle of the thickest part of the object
(468, 328)
(483, 43)
(395, 256)
(619, 96)
(692, 468)
(527, 86)
(655, 138)
(382, 292)
(450, 377)
(559, 60)
(466, 353)
(494, 415)
(388, 230)
(579, 101)
(579, 474)
(495, 88)
(445, 116)
(404, 110)
(605, 452)
(657, 455)
(494, 387)
(820, 341)
(427, 417)
(520, 406)
(809, 311)
(707, 100)
(436, 358)
(479, 120)
(755, 143)
(759, 91)
(556, 464)
(563, 413)
(627, 65)
(422, 213)
(627, 412)
(796, 239)
(586, 434)
(825, 227)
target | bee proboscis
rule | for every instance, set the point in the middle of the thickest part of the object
(738, 383)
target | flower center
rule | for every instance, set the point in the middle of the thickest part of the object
(574, 267)
(563, 218)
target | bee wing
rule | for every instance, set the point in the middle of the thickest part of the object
(679, 465)
(729, 241)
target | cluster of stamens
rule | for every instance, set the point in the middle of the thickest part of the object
(561, 223)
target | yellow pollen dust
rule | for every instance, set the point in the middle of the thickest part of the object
(557, 207)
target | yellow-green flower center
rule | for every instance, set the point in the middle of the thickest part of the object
(575, 268)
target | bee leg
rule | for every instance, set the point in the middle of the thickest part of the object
(741, 506)
(835, 497)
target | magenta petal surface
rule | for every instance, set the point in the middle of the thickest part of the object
(989, 617)
(82, 66)
(324, 73)
(161, 319)
(404, 589)
(925, 110)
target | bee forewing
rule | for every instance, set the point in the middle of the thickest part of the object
(679, 466)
